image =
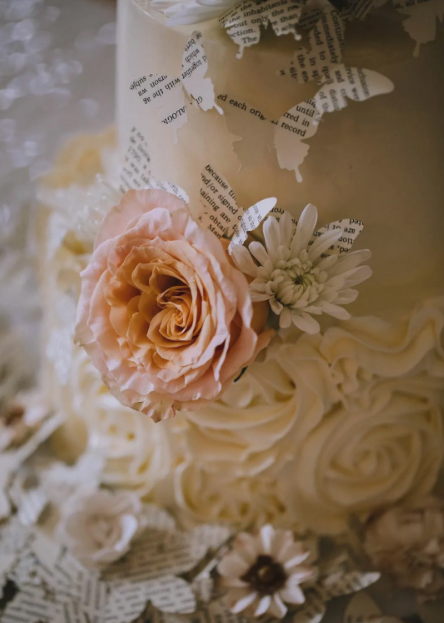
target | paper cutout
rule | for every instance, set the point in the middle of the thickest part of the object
(243, 23)
(351, 228)
(135, 169)
(354, 83)
(346, 582)
(219, 212)
(168, 93)
(326, 42)
(302, 121)
(29, 502)
(421, 23)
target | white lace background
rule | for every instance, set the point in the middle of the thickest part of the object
(56, 78)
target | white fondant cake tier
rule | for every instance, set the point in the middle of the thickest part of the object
(378, 161)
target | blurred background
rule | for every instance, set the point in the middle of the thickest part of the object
(57, 62)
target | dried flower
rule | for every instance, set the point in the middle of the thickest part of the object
(407, 542)
(264, 572)
(297, 275)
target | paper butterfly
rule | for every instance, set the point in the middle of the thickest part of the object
(301, 122)
(169, 93)
(220, 213)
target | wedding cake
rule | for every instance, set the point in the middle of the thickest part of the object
(243, 302)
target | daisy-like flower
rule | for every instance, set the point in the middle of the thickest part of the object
(264, 572)
(300, 272)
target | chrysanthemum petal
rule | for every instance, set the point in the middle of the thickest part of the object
(350, 260)
(304, 322)
(243, 260)
(346, 296)
(272, 236)
(337, 312)
(258, 251)
(304, 229)
(321, 244)
(286, 227)
(285, 318)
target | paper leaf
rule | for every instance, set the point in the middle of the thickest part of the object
(157, 553)
(135, 170)
(243, 23)
(72, 612)
(171, 594)
(421, 23)
(126, 602)
(344, 583)
(168, 93)
(326, 41)
(355, 83)
(351, 228)
(296, 125)
(251, 219)
(219, 211)
(311, 611)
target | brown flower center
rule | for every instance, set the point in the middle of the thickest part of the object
(266, 576)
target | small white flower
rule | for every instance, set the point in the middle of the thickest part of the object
(297, 274)
(98, 527)
(180, 12)
(264, 572)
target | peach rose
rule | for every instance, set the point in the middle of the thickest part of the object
(163, 314)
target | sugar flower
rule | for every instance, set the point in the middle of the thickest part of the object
(264, 572)
(181, 12)
(407, 542)
(297, 272)
(98, 526)
(163, 314)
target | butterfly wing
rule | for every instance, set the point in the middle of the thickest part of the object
(165, 93)
(194, 68)
(218, 210)
(251, 219)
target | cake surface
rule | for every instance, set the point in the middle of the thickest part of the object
(248, 423)
(377, 161)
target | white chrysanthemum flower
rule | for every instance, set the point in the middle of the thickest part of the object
(264, 572)
(298, 273)
(181, 12)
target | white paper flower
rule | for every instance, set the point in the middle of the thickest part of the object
(298, 275)
(98, 527)
(264, 572)
(181, 12)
